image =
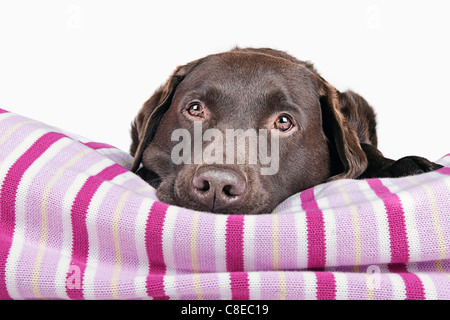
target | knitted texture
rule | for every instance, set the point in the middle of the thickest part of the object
(75, 223)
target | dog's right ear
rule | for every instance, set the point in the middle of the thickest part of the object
(348, 158)
(146, 122)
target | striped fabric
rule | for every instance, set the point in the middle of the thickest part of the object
(75, 223)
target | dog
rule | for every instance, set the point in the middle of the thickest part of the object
(322, 134)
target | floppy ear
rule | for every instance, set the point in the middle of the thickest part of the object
(348, 160)
(146, 122)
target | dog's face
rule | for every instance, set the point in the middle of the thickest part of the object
(300, 140)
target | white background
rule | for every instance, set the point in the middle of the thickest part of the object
(87, 66)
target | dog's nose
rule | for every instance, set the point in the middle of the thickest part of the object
(217, 188)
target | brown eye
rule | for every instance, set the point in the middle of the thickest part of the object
(283, 123)
(195, 109)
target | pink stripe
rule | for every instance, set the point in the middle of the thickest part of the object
(413, 284)
(3, 111)
(239, 286)
(235, 243)
(326, 286)
(98, 145)
(80, 239)
(235, 257)
(445, 170)
(154, 246)
(396, 220)
(316, 230)
(8, 198)
(397, 267)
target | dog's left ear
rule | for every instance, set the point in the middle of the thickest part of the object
(348, 160)
(146, 122)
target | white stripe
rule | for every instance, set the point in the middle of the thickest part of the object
(224, 285)
(21, 222)
(428, 286)
(249, 243)
(443, 178)
(254, 285)
(167, 238)
(409, 209)
(139, 238)
(382, 225)
(170, 286)
(66, 251)
(330, 227)
(93, 255)
(71, 135)
(122, 178)
(7, 115)
(19, 151)
(220, 228)
(398, 286)
(341, 285)
(140, 284)
(114, 151)
(301, 232)
(117, 156)
(445, 161)
(310, 285)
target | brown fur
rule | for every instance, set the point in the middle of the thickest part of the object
(335, 135)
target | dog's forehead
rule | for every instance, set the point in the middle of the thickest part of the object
(250, 76)
(246, 66)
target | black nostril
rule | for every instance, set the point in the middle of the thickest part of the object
(205, 185)
(200, 183)
(228, 190)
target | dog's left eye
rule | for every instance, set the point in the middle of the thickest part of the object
(283, 123)
(195, 109)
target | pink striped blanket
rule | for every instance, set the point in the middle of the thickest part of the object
(75, 223)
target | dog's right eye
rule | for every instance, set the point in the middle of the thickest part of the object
(196, 109)
(283, 123)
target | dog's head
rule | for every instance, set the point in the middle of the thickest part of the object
(241, 131)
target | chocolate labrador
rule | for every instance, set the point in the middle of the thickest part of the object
(313, 133)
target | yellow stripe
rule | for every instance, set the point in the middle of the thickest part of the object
(11, 130)
(118, 254)
(194, 255)
(356, 226)
(197, 286)
(275, 242)
(436, 225)
(144, 189)
(370, 287)
(126, 163)
(283, 288)
(115, 230)
(44, 221)
(439, 266)
(434, 218)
